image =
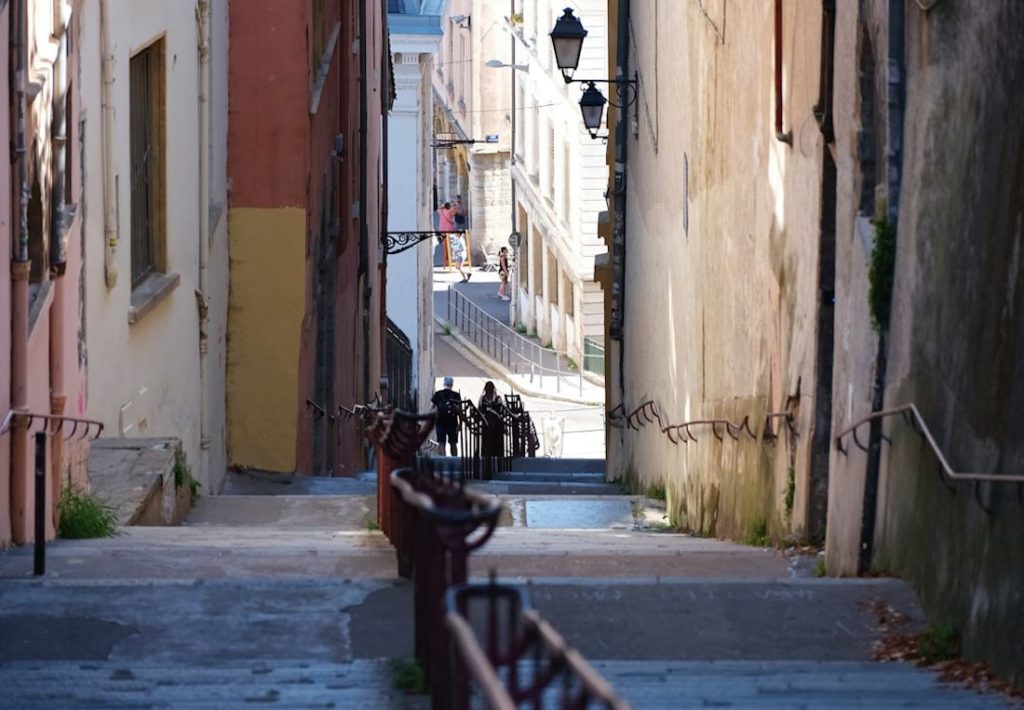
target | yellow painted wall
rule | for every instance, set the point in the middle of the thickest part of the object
(264, 324)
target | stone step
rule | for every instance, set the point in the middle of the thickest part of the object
(784, 684)
(539, 464)
(524, 488)
(363, 683)
(549, 476)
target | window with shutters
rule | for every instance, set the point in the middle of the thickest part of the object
(147, 98)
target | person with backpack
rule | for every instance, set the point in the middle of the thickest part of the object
(446, 403)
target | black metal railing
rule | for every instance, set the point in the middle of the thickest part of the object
(491, 435)
(399, 363)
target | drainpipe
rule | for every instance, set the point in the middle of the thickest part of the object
(203, 25)
(58, 252)
(619, 192)
(894, 99)
(110, 235)
(779, 133)
(20, 269)
(385, 97)
(364, 227)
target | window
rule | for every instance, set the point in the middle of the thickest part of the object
(147, 161)
(566, 185)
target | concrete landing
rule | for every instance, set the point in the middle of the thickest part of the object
(136, 478)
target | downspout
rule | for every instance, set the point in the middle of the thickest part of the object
(110, 231)
(364, 228)
(619, 192)
(896, 90)
(58, 250)
(203, 25)
(513, 282)
(385, 96)
(779, 133)
(21, 266)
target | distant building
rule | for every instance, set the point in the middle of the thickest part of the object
(415, 31)
(309, 87)
(472, 107)
(560, 180)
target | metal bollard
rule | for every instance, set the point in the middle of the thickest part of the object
(39, 561)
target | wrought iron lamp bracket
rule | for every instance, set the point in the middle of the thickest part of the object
(397, 242)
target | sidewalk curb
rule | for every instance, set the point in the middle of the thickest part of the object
(472, 353)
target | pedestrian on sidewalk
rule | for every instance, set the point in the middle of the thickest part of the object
(446, 217)
(459, 213)
(492, 442)
(457, 251)
(503, 274)
(446, 403)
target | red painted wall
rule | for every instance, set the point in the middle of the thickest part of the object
(268, 76)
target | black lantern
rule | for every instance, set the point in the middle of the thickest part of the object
(567, 40)
(592, 107)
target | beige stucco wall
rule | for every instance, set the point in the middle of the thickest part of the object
(266, 319)
(720, 314)
(144, 377)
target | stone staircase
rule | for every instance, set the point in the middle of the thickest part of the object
(550, 476)
(362, 683)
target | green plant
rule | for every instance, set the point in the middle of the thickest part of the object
(790, 489)
(516, 19)
(939, 642)
(758, 535)
(532, 334)
(520, 328)
(881, 270)
(819, 567)
(547, 345)
(657, 492)
(371, 525)
(83, 515)
(180, 472)
(572, 364)
(408, 676)
(446, 328)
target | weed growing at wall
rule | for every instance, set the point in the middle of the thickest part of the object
(881, 271)
(83, 516)
(790, 489)
(408, 676)
(183, 478)
(939, 642)
(758, 535)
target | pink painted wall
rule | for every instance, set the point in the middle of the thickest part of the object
(5, 283)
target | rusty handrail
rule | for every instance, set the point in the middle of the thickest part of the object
(525, 637)
(477, 664)
(913, 415)
(56, 421)
(649, 413)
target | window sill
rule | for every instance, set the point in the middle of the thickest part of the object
(149, 293)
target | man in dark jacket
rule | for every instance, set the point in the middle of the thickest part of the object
(446, 402)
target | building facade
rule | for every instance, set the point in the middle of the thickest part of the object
(415, 32)
(719, 295)
(472, 117)
(42, 362)
(928, 145)
(309, 88)
(154, 126)
(560, 179)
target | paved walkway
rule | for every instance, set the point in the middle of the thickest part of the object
(494, 346)
(293, 600)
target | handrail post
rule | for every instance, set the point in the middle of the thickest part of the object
(39, 557)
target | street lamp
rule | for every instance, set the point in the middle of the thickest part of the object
(567, 40)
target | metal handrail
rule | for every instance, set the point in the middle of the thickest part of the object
(57, 423)
(528, 638)
(506, 346)
(912, 414)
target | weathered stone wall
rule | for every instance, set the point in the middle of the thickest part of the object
(721, 300)
(957, 342)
